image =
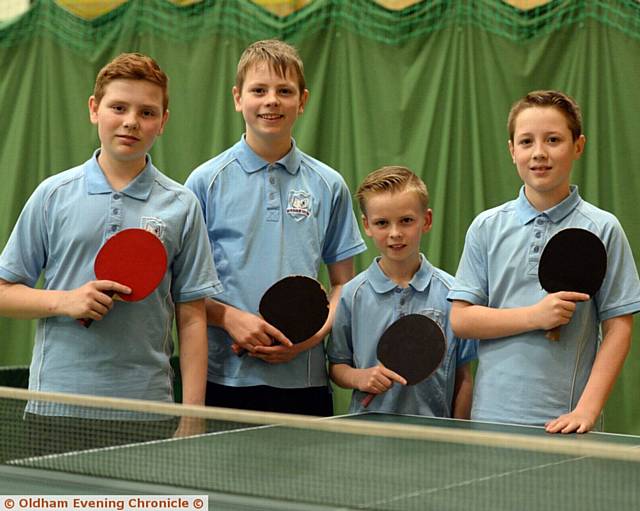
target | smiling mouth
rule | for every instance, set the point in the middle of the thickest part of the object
(271, 117)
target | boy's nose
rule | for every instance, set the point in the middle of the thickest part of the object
(539, 153)
(272, 98)
(131, 123)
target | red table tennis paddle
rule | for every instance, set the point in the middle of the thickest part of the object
(135, 258)
(572, 260)
(413, 346)
(296, 305)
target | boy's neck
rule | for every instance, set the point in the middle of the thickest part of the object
(400, 272)
(543, 201)
(269, 150)
(120, 173)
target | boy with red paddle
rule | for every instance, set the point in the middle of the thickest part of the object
(523, 378)
(61, 229)
(400, 282)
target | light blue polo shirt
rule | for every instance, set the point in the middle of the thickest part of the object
(525, 378)
(266, 222)
(59, 232)
(369, 304)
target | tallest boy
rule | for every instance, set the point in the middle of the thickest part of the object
(271, 211)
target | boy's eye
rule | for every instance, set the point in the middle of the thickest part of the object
(148, 113)
(554, 139)
(257, 90)
(407, 220)
(380, 223)
(117, 108)
(285, 91)
(524, 141)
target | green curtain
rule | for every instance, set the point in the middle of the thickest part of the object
(428, 87)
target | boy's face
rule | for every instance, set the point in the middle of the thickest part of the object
(129, 118)
(270, 104)
(543, 151)
(396, 223)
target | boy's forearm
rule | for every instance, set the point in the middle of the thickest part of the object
(192, 334)
(610, 358)
(479, 322)
(343, 375)
(22, 302)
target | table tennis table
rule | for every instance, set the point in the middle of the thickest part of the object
(411, 475)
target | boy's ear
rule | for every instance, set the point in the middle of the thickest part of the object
(237, 98)
(304, 97)
(365, 224)
(428, 221)
(579, 145)
(510, 143)
(165, 118)
(93, 110)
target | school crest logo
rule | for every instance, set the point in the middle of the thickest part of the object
(154, 225)
(299, 204)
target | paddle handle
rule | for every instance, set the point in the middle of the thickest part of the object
(553, 334)
(367, 400)
(86, 322)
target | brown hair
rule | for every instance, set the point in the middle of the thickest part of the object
(132, 66)
(391, 178)
(278, 55)
(548, 98)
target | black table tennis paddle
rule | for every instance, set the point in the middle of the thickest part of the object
(413, 346)
(572, 260)
(296, 305)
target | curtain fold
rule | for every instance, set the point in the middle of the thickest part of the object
(429, 87)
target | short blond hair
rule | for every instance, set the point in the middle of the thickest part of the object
(392, 178)
(278, 55)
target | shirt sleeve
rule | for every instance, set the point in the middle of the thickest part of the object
(471, 281)
(340, 345)
(619, 294)
(25, 254)
(194, 273)
(343, 239)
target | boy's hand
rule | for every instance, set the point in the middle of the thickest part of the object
(575, 421)
(250, 331)
(377, 379)
(190, 426)
(91, 301)
(555, 309)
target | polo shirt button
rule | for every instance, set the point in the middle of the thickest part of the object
(272, 180)
(536, 249)
(538, 234)
(116, 196)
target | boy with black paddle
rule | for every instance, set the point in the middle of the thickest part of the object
(391, 338)
(503, 294)
(271, 212)
(59, 234)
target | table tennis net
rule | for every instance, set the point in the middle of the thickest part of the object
(346, 463)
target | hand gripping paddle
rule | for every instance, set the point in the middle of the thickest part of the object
(135, 258)
(572, 260)
(296, 305)
(413, 346)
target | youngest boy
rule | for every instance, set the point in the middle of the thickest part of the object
(395, 214)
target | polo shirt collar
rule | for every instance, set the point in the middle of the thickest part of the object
(139, 188)
(527, 213)
(383, 284)
(250, 162)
